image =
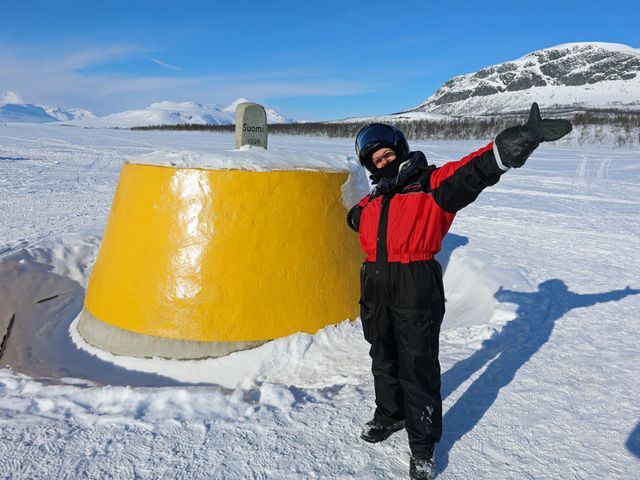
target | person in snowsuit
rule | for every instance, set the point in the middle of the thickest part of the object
(401, 224)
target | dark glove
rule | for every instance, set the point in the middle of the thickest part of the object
(353, 218)
(515, 144)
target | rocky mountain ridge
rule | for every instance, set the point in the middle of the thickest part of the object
(565, 77)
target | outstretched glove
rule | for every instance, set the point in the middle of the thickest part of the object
(515, 144)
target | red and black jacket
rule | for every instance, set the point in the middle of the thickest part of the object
(405, 220)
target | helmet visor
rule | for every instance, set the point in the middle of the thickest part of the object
(373, 136)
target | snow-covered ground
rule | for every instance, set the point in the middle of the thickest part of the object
(539, 347)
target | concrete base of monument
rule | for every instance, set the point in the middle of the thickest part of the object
(124, 342)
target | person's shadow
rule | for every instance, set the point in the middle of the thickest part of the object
(449, 244)
(506, 351)
(633, 442)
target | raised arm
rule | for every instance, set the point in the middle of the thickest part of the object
(457, 184)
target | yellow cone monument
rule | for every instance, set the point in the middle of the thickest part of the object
(197, 262)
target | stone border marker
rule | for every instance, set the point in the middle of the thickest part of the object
(251, 125)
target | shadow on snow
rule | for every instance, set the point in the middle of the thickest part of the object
(633, 442)
(44, 304)
(449, 244)
(506, 351)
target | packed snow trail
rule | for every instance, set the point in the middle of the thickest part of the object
(539, 347)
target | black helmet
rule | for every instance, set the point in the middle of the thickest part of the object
(378, 135)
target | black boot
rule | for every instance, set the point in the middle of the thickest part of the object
(375, 431)
(422, 467)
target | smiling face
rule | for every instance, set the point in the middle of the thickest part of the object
(383, 157)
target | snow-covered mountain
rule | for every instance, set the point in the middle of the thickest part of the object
(14, 109)
(175, 113)
(272, 115)
(163, 113)
(567, 76)
(16, 112)
(69, 114)
(11, 98)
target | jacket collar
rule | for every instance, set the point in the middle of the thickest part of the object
(416, 162)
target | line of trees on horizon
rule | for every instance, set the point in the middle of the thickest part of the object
(624, 125)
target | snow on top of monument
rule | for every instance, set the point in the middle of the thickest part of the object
(258, 159)
(251, 158)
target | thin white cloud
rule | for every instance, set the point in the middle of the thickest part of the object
(87, 57)
(62, 80)
(164, 64)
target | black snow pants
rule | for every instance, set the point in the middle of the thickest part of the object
(401, 307)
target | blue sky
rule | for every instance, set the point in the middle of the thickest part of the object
(307, 60)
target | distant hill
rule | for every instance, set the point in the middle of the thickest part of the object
(175, 113)
(14, 109)
(69, 114)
